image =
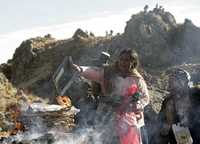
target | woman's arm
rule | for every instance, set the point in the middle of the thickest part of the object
(144, 100)
(90, 73)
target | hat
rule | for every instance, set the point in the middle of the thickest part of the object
(180, 73)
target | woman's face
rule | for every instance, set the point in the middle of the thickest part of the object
(125, 63)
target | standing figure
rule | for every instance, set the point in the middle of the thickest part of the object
(127, 91)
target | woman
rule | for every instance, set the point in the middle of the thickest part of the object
(122, 79)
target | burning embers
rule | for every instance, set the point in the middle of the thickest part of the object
(13, 113)
(52, 116)
(64, 101)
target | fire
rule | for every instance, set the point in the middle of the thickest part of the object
(18, 127)
(14, 113)
(4, 134)
(64, 101)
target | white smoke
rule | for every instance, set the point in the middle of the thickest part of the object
(38, 132)
(95, 135)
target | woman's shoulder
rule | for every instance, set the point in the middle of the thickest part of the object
(135, 74)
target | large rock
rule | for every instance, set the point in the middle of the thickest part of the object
(80, 33)
(161, 42)
(36, 60)
(187, 39)
(25, 56)
(149, 34)
(5, 68)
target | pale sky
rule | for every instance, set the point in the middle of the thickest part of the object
(23, 19)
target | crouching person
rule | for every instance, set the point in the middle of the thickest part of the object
(176, 106)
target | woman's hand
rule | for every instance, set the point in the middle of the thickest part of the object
(77, 68)
(136, 107)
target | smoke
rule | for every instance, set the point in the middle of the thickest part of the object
(98, 133)
(81, 136)
(92, 127)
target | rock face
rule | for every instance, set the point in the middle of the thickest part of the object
(36, 59)
(80, 33)
(6, 88)
(157, 37)
(187, 42)
(149, 34)
(7, 92)
(26, 55)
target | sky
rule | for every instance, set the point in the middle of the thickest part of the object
(24, 19)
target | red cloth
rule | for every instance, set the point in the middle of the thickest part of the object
(132, 136)
(127, 121)
(128, 134)
(132, 90)
(125, 104)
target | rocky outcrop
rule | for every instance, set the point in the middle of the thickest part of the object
(7, 93)
(149, 34)
(26, 54)
(5, 68)
(160, 41)
(80, 33)
(36, 59)
(187, 42)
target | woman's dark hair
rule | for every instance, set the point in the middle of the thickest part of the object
(134, 57)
